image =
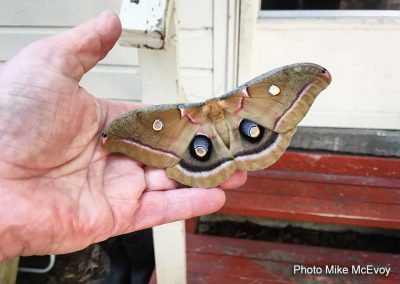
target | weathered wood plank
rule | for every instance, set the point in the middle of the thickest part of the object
(338, 164)
(322, 187)
(313, 210)
(144, 23)
(215, 259)
(375, 142)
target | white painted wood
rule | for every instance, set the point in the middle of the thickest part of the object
(361, 53)
(195, 14)
(112, 82)
(13, 39)
(144, 23)
(249, 10)
(123, 83)
(161, 83)
(317, 14)
(159, 69)
(169, 241)
(54, 13)
(225, 47)
(232, 44)
(220, 34)
(60, 13)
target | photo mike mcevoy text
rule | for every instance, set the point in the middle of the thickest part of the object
(367, 269)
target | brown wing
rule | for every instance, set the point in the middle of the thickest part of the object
(211, 171)
(260, 152)
(136, 134)
(277, 101)
(297, 86)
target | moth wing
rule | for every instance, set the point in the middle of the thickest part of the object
(255, 154)
(279, 100)
(208, 172)
(156, 136)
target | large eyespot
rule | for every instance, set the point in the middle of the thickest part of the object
(200, 148)
(251, 130)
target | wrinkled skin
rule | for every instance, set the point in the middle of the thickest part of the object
(60, 190)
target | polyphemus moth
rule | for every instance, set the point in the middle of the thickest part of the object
(202, 144)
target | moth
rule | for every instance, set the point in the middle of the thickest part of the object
(202, 144)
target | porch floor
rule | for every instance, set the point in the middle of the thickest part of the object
(218, 260)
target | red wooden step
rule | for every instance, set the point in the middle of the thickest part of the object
(218, 260)
(227, 260)
(338, 164)
(327, 188)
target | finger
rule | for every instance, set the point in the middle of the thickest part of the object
(236, 180)
(160, 207)
(157, 179)
(82, 46)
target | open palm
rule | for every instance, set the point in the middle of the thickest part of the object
(59, 190)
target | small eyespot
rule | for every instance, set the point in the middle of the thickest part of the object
(200, 151)
(254, 131)
(104, 135)
(274, 90)
(200, 147)
(158, 125)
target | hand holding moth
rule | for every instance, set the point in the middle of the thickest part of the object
(60, 190)
(204, 144)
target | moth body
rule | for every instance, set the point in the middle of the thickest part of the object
(215, 112)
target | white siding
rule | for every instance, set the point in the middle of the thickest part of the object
(22, 22)
(362, 55)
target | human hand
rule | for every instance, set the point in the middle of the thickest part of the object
(60, 191)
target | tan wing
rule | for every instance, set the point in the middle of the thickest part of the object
(279, 100)
(137, 134)
(209, 172)
(255, 154)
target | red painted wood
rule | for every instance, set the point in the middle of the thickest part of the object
(201, 278)
(327, 188)
(242, 261)
(191, 225)
(313, 210)
(338, 164)
(278, 184)
(287, 253)
(326, 178)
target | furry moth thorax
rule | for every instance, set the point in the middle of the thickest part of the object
(202, 144)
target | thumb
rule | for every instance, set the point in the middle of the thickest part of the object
(75, 51)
